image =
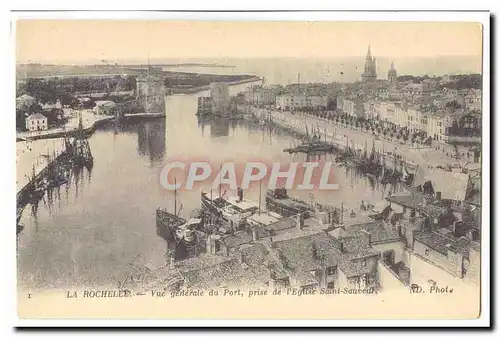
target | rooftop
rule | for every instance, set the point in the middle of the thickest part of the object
(264, 218)
(435, 240)
(36, 116)
(414, 200)
(243, 205)
(237, 239)
(379, 234)
(227, 273)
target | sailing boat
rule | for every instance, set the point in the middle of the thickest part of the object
(166, 222)
(406, 177)
(311, 144)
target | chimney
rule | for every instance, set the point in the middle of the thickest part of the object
(368, 236)
(314, 251)
(255, 234)
(299, 219)
(438, 196)
(239, 256)
(458, 228)
(209, 244)
(341, 247)
(400, 232)
(240, 194)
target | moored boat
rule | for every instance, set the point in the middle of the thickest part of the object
(279, 202)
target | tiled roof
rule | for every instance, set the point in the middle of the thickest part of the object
(201, 262)
(299, 252)
(282, 224)
(413, 201)
(255, 254)
(237, 239)
(351, 269)
(461, 246)
(36, 116)
(417, 201)
(379, 234)
(435, 241)
(229, 274)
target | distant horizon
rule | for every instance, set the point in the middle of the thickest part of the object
(177, 60)
(83, 41)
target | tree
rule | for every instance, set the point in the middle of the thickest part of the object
(70, 100)
(55, 117)
(454, 105)
(24, 111)
(131, 84)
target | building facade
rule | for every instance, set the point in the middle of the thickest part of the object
(354, 107)
(260, 96)
(36, 122)
(301, 101)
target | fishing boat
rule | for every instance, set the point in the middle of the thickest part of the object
(406, 177)
(311, 144)
(229, 213)
(278, 201)
(183, 236)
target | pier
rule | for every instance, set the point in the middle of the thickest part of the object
(46, 164)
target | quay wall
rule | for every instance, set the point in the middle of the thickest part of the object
(195, 90)
(90, 129)
(21, 194)
(297, 128)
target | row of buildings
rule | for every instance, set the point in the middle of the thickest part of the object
(441, 124)
(442, 113)
(413, 240)
(38, 121)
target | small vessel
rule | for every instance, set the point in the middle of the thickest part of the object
(406, 177)
(279, 202)
(230, 213)
(179, 233)
(311, 144)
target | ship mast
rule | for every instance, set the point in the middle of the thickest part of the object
(220, 182)
(260, 194)
(147, 88)
(175, 196)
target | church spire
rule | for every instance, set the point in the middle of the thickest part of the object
(392, 65)
(369, 54)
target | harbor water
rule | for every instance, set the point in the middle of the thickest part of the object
(91, 231)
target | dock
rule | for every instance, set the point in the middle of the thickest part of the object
(32, 157)
(341, 137)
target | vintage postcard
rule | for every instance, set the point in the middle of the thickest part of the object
(175, 169)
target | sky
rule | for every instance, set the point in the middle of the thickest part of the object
(85, 41)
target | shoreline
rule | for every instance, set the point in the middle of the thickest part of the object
(194, 90)
(90, 129)
(95, 124)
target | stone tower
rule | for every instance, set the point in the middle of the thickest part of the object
(392, 75)
(370, 73)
